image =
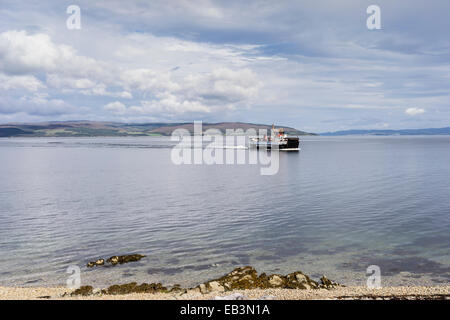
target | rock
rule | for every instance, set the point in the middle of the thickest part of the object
(124, 259)
(113, 260)
(83, 291)
(216, 286)
(116, 260)
(328, 284)
(193, 291)
(133, 287)
(301, 278)
(298, 280)
(239, 279)
(177, 288)
(234, 296)
(247, 278)
(275, 281)
(203, 288)
(100, 262)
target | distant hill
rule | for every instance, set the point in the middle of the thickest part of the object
(430, 131)
(94, 128)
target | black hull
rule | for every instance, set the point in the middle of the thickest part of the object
(291, 145)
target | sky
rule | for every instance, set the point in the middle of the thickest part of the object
(312, 65)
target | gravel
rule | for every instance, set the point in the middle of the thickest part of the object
(436, 292)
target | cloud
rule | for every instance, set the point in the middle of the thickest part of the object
(220, 90)
(26, 82)
(224, 85)
(414, 111)
(85, 86)
(22, 53)
(38, 104)
(26, 56)
(116, 107)
(295, 63)
(168, 105)
(147, 80)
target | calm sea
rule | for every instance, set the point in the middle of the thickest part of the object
(338, 206)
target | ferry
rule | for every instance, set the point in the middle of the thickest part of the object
(278, 139)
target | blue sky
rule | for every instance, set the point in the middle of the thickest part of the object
(312, 65)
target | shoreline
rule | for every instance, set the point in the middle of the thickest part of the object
(338, 293)
(243, 283)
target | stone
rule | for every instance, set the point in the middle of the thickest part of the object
(133, 287)
(203, 288)
(275, 281)
(177, 288)
(83, 291)
(193, 291)
(113, 260)
(100, 262)
(298, 280)
(242, 278)
(124, 259)
(216, 286)
(328, 284)
(301, 278)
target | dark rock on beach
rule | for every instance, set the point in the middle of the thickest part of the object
(327, 283)
(114, 260)
(124, 259)
(133, 287)
(247, 278)
(239, 279)
(100, 262)
(83, 291)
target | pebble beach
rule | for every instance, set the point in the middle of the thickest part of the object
(341, 293)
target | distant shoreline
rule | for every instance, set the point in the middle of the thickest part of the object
(117, 129)
(240, 284)
(111, 129)
(402, 132)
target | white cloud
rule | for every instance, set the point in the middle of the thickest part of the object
(37, 104)
(116, 107)
(65, 82)
(414, 111)
(215, 59)
(147, 80)
(220, 90)
(24, 82)
(161, 94)
(21, 52)
(168, 105)
(224, 84)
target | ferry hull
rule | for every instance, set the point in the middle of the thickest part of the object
(291, 144)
